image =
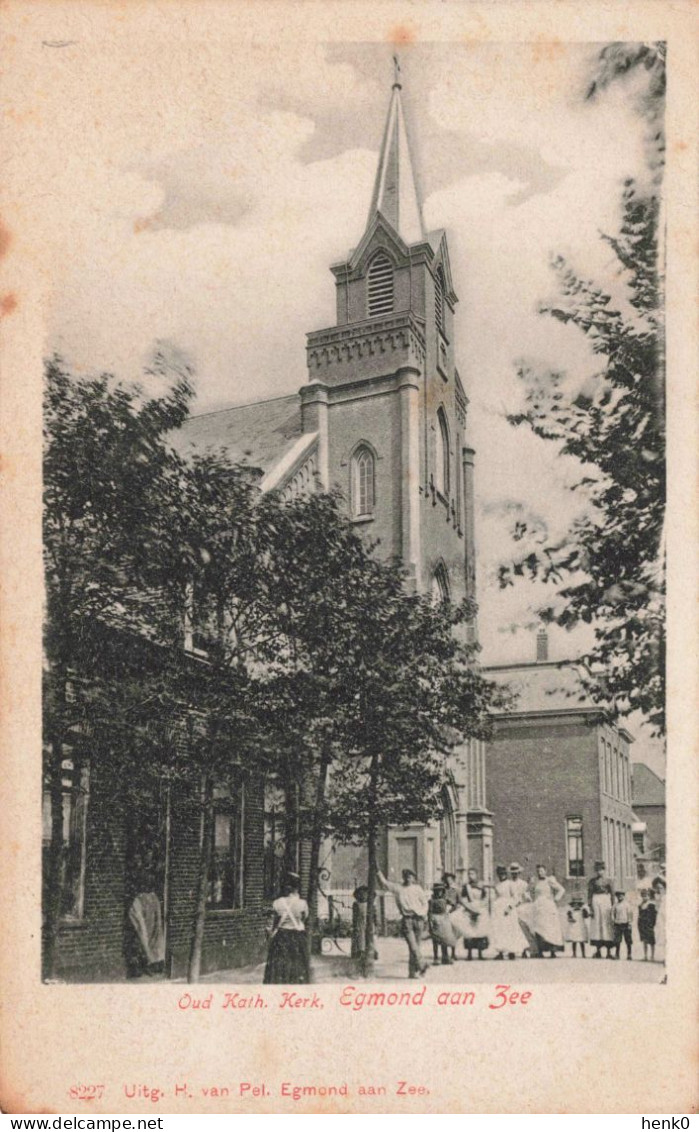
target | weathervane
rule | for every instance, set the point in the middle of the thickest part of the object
(396, 72)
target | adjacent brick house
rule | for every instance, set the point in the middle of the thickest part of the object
(559, 779)
(648, 794)
(116, 845)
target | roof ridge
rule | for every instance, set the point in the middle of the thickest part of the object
(241, 405)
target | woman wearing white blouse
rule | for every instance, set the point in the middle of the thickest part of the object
(287, 958)
(547, 921)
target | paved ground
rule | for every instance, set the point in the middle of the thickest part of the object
(392, 964)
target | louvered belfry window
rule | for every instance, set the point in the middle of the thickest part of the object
(380, 286)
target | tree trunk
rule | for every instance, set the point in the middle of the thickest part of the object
(316, 842)
(194, 967)
(53, 880)
(372, 839)
(291, 826)
(368, 967)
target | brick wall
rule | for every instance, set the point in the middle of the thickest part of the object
(232, 937)
(538, 774)
(93, 950)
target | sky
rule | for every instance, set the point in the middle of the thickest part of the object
(196, 189)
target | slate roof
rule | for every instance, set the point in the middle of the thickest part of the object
(647, 788)
(256, 434)
(395, 195)
(545, 686)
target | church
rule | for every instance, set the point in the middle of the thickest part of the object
(384, 418)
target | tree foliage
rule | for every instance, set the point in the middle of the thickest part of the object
(106, 470)
(197, 630)
(608, 569)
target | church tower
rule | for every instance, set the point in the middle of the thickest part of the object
(388, 412)
(384, 395)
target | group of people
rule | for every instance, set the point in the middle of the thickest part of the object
(513, 918)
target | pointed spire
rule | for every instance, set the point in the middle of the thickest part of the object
(395, 195)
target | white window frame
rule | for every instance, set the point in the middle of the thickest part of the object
(363, 490)
(574, 818)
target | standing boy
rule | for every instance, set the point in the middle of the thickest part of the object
(621, 918)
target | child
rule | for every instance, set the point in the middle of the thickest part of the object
(647, 915)
(621, 918)
(440, 925)
(576, 919)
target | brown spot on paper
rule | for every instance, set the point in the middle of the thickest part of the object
(8, 304)
(547, 50)
(402, 35)
(5, 239)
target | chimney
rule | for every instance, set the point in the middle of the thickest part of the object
(542, 646)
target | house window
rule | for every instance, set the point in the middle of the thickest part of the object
(440, 585)
(226, 882)
(574, 844)
(601, 765)
(75, 792)
(380, 286)
(274, 840)
(442, 455)
(439, 300)
(608, 848)
(362, 485)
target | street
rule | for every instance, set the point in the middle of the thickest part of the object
(392, 964)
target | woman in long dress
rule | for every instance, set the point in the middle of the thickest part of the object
(600, 897)
(471, 920)
(287, 958)
(547, 921)
(506, 935)
(525, 909)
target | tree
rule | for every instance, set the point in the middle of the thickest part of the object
(318, 572)
(416, 695)
(608, 568)
(372, 690)
(218, 556)
(619, 62)
(105, 508)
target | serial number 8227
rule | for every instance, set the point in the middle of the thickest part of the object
(86, 1092)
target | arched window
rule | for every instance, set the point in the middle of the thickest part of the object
(441, 471)
(362, 483)
(380, 286)
(440, 585)
(439, 289)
